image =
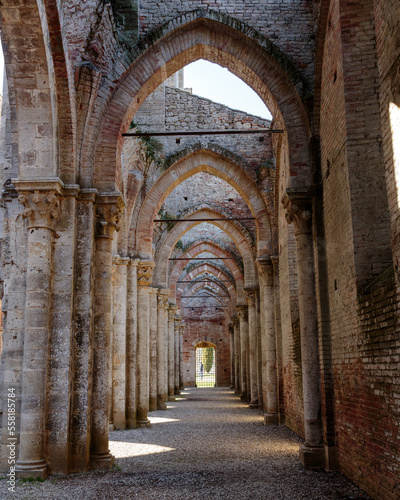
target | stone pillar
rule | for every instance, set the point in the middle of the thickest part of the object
(299, 211)
(42, 209)
(244, 332)
(162, 319)
(145, 269)
(108, 208)
(131, 344)
(232, 346)
(153, 349)
(278, 339)
(181, 332)
(266, 279)
(171, 352)
(119, 343)
(253, 373)
(236, 333)
(177, 324)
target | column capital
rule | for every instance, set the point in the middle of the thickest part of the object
(172, 311)
(242, 311)
(42, 207)
(144, 273)
(108, 211)
(298, 209)
(133, 261)
(153, 290)
(162, 298)
(120, 261)
(250, 295)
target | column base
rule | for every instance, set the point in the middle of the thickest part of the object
(101, 460)
(36, 468)
(171, 398)
(281, 418)
(253, 404)
(143, 423)
(312, 457)
(111, 427)
(231, 387)
(131, 424)
(161, 403)
(271, 419)
(153, 404)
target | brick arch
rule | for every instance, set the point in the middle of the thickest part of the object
(193, 36)
(38, 90)
(217, 272)
(214, 164)
(163, 253)
(197, 249)
(201, 286)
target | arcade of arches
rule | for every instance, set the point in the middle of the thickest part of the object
(121, 254)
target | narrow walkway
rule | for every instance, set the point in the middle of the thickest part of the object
(208, 445)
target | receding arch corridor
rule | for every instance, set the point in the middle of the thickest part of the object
(207, 445)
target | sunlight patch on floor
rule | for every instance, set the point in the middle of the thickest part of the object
(123, 449)
(161, 420)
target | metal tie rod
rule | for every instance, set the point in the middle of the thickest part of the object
(205, 258)
(166, 133)
(203, 220)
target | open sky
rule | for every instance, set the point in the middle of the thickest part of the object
(213, 82)
(218, 84)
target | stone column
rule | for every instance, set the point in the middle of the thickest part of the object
(232, 345)
(145, 269)
(171, 352)
(153, 349)
(236, 333)
(266, 279)
(162, 318)
(253, 373)
(42, 209)
(108, 208)
(177, 324)
(244, 332)
(131, 345)
(119, 343)
(299, 211)
(278, 339)
(181, 332)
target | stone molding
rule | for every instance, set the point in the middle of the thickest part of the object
(145, 273)
(297, 204)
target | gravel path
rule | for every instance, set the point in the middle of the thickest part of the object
(208, 445)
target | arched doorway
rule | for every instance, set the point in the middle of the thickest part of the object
(206, 365)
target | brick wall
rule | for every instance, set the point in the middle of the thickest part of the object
(200, 326)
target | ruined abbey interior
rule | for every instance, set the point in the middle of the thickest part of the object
(123, 255)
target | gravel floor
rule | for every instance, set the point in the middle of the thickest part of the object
(207, 445)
